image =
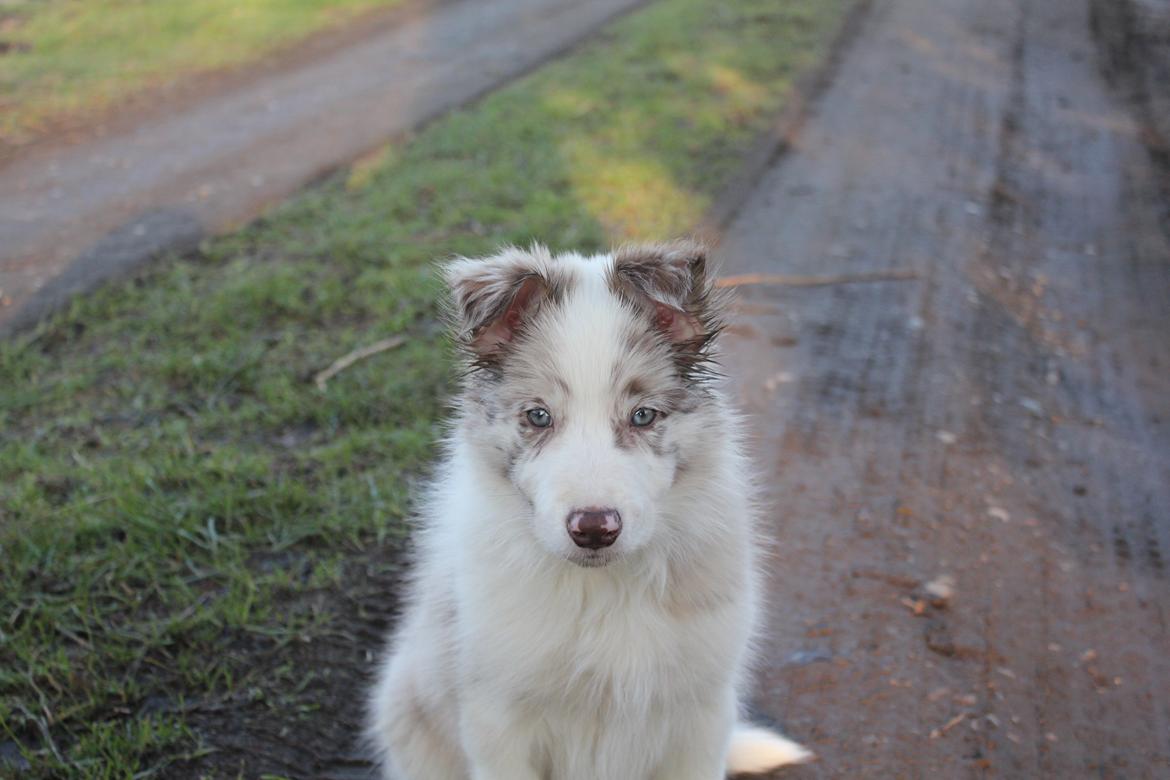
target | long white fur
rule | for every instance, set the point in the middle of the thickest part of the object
(513, 663)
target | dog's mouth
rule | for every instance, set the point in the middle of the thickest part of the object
(592, 559)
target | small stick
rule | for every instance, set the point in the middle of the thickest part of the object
(346, 361)
(950, 724)
(742, 280)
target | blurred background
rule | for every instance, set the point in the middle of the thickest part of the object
(223, 372)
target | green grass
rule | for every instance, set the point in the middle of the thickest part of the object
(66, 56)
(172, 484)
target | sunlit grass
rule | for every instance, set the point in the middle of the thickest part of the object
(65, 56)
(172, 481)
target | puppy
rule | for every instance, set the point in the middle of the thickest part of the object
(586, 587)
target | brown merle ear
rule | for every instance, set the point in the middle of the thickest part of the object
(494, 297)
(671, 281)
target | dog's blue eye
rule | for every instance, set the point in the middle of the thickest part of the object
(643, 417)
(540, 418)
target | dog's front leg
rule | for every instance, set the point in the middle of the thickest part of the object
(498, 744)
(697, 748)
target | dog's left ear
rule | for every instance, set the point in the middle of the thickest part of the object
(672, 282)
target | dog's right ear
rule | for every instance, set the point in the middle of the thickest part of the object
(495, 297)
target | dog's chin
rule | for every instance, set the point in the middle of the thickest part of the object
(592, 559)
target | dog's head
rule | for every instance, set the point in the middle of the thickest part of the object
(585, 376)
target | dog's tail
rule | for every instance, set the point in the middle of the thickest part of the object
(755, 750)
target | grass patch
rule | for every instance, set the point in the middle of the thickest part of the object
(179, 504)
(58, 57)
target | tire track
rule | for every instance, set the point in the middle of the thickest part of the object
(1000, 419)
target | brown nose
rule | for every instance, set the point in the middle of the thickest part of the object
(594, 528)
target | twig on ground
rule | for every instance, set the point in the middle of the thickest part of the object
(950, 724)
(782, 280)
(345, 361)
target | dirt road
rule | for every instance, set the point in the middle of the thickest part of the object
(1000, 419)
(73, 214)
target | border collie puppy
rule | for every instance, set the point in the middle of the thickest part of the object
(586, 588)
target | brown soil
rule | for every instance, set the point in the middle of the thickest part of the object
(311, 728)
(997, 415)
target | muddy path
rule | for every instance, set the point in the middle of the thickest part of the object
(999, 418)
(73, 214)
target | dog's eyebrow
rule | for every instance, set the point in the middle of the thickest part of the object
(635, 387)
(664, 399)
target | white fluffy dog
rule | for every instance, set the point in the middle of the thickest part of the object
(586, 584)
